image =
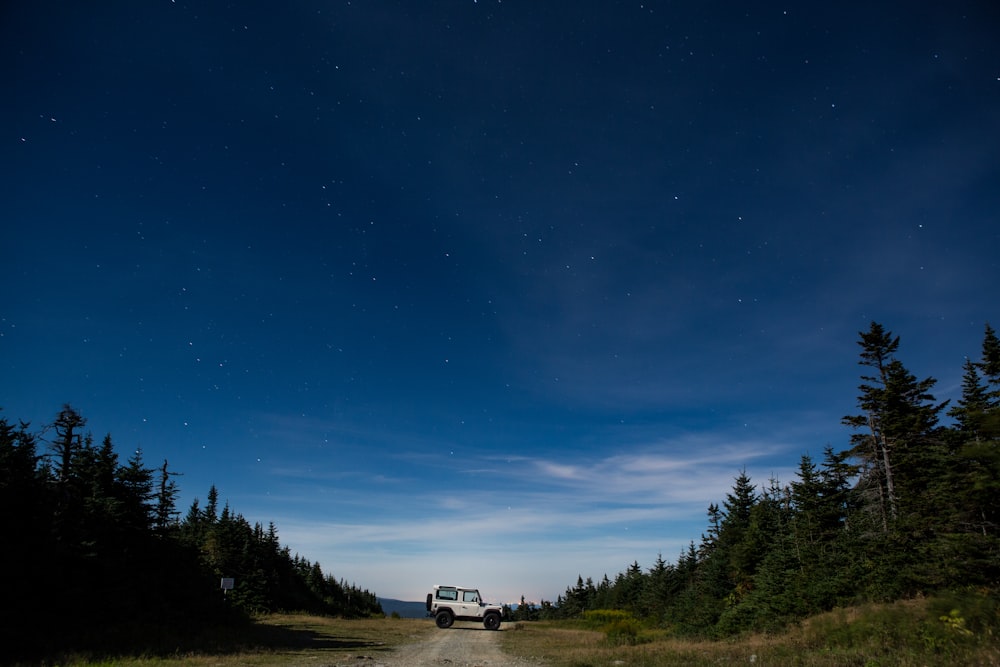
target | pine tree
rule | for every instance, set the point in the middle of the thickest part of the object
(910, 425)
(575, 601)
(25, 514)
(604, 595)
(990, 364)
(970, 410)
(872, 448)
(711, 539)
(835, 490)
(807, 501)
(68, 442)
(735, 535)
(165, 515)
(661, 586)
(631, 587)
(212, 505)
(977, 482)
(895, 443)
(136, 485)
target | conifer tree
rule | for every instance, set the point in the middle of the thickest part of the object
(870, 446)
(137, 492)
(661, 585)
(711, 539)
(978, 442)
(165, 515)
(835, 477)
(895, 443)
(212, 505)
(25, 514)
(67, 443)
(971, 408)
(990, 364)
(807, 501)
(735, 535)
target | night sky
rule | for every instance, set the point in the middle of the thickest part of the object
(487, 293)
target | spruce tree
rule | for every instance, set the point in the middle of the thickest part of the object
(990, 364)
(165, 516)
(137, 492)
(977, 482)
(807, 502)
(67, 443)
(895, 443)
(660, 587)
(870, 445)
(736, 536)
(836, 475)
(970, 410)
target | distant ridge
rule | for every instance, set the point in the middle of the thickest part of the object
(403, 608)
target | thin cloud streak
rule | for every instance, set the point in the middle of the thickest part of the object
(596, 514)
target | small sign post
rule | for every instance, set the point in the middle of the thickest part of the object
(227, 585)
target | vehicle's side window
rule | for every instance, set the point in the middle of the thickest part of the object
(470, 596)
(446, 594)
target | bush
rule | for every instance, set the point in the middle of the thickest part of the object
(619, 626)
(972, 611)
(626, 631)
(599, 618)
(740, 618)
(949, 628)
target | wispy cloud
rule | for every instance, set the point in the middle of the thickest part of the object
(555, 515)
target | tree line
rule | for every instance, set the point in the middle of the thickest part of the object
(910, 507)
(96, 551)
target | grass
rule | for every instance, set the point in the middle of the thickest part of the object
(274, 640)
(957, 629)
(903, 634)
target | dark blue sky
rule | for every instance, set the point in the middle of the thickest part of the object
(534, 277)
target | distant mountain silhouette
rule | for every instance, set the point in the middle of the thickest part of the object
(403, 608)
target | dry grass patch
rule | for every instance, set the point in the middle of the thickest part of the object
(905, 634)
(279, 640)
(561, 645)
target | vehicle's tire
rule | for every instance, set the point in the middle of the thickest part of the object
(444, 619)
(491, 621)
(429, 597)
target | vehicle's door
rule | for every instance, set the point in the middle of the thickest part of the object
(470, 603)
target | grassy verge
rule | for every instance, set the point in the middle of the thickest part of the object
(920, 632)
(275, 640)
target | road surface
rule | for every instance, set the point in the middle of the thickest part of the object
(459, 646)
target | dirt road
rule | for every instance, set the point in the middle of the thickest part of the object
(464, 645)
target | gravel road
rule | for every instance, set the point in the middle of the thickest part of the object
(460, 646)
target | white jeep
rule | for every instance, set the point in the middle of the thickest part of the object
(448, 604)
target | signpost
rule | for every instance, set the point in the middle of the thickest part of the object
(227, 585)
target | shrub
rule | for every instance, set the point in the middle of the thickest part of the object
(974, 611)
(599, 618)
(619, 626)
(623, 631)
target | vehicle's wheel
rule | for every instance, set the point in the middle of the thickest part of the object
(491, 621)
(444, 619)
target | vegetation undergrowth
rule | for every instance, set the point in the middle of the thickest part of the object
(956, 628)
(619, 626)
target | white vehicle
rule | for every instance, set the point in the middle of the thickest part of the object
(448, 604)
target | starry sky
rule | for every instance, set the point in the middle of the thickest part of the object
(487, 293)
